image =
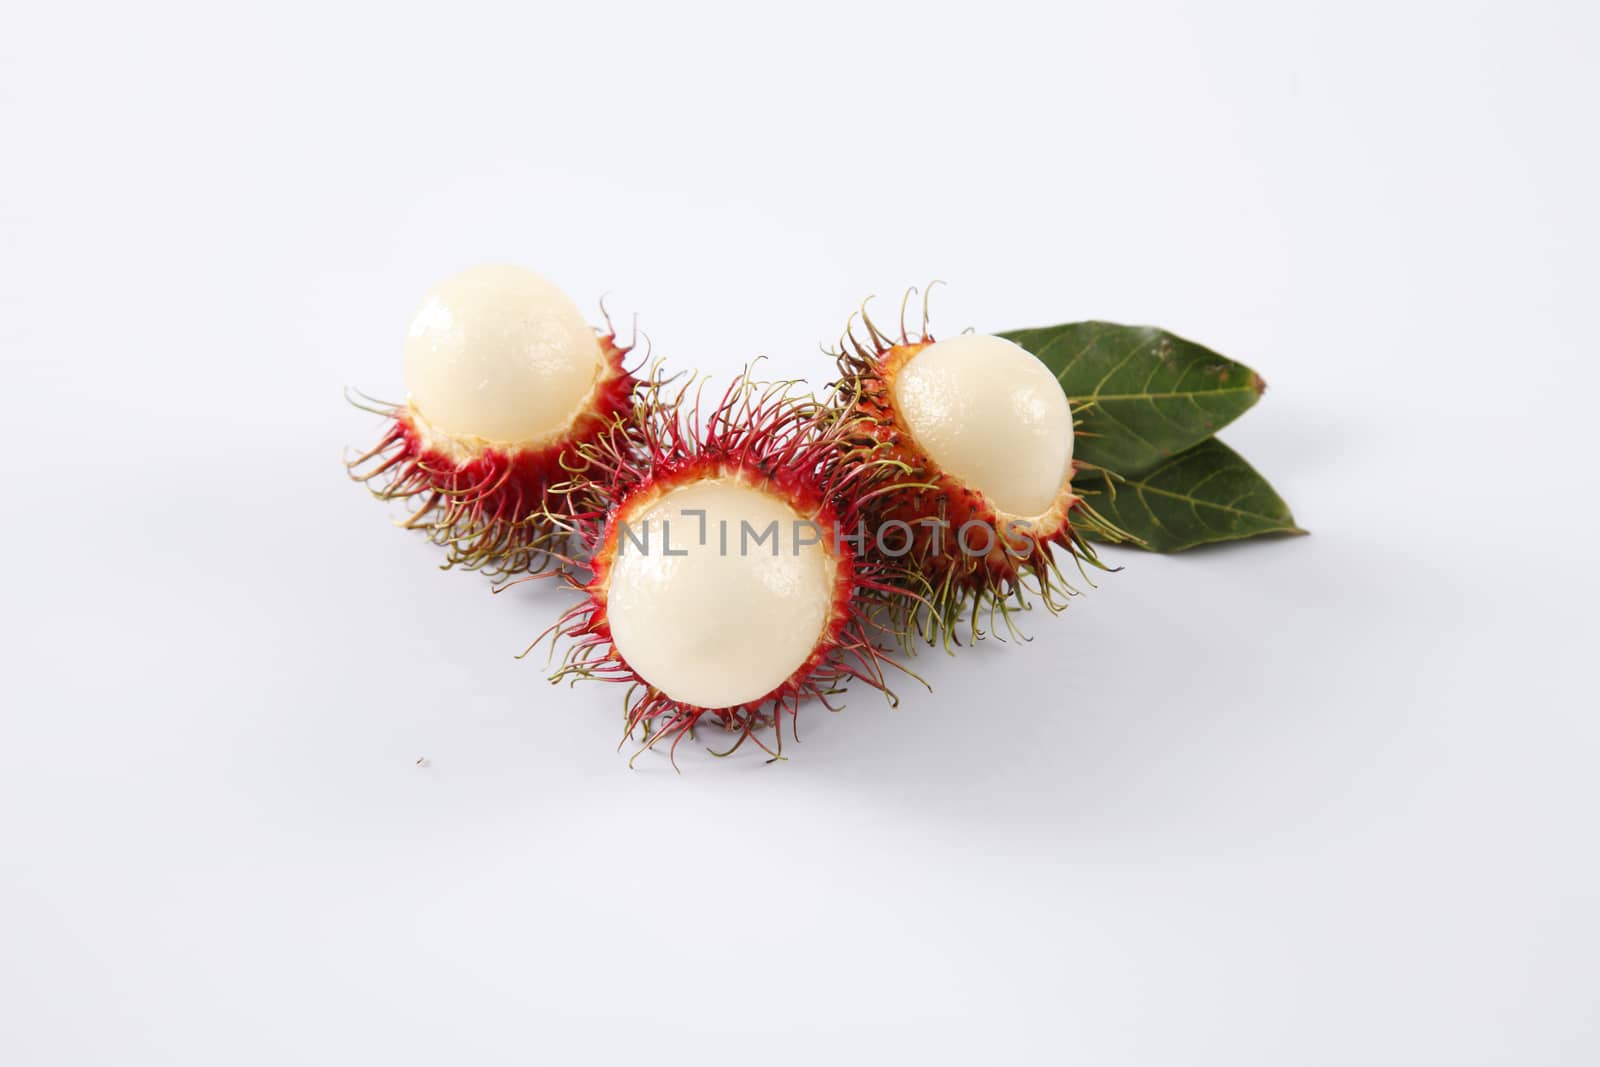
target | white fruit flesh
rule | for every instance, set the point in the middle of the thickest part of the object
(717, 628)
(499, 353)
(990, 414)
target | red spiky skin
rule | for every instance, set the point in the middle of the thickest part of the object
(789, 448)
(936, 505)
(477, 498)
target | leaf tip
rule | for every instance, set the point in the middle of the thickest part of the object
(1258, 383)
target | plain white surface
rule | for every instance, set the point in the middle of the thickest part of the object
(1321, 801)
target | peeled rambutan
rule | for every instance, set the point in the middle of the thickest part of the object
(984, 433)
(504, 379)
(726, 577)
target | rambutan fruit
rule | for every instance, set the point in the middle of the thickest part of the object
(984, 432)
(726, 578)
(504, 379)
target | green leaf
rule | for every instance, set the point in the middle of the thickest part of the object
(1147, 394)
(1207, 494)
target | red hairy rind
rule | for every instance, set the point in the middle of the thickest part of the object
(480, 501)
(761, 434)
(958, 584)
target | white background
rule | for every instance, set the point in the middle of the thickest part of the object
(1328, 800)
